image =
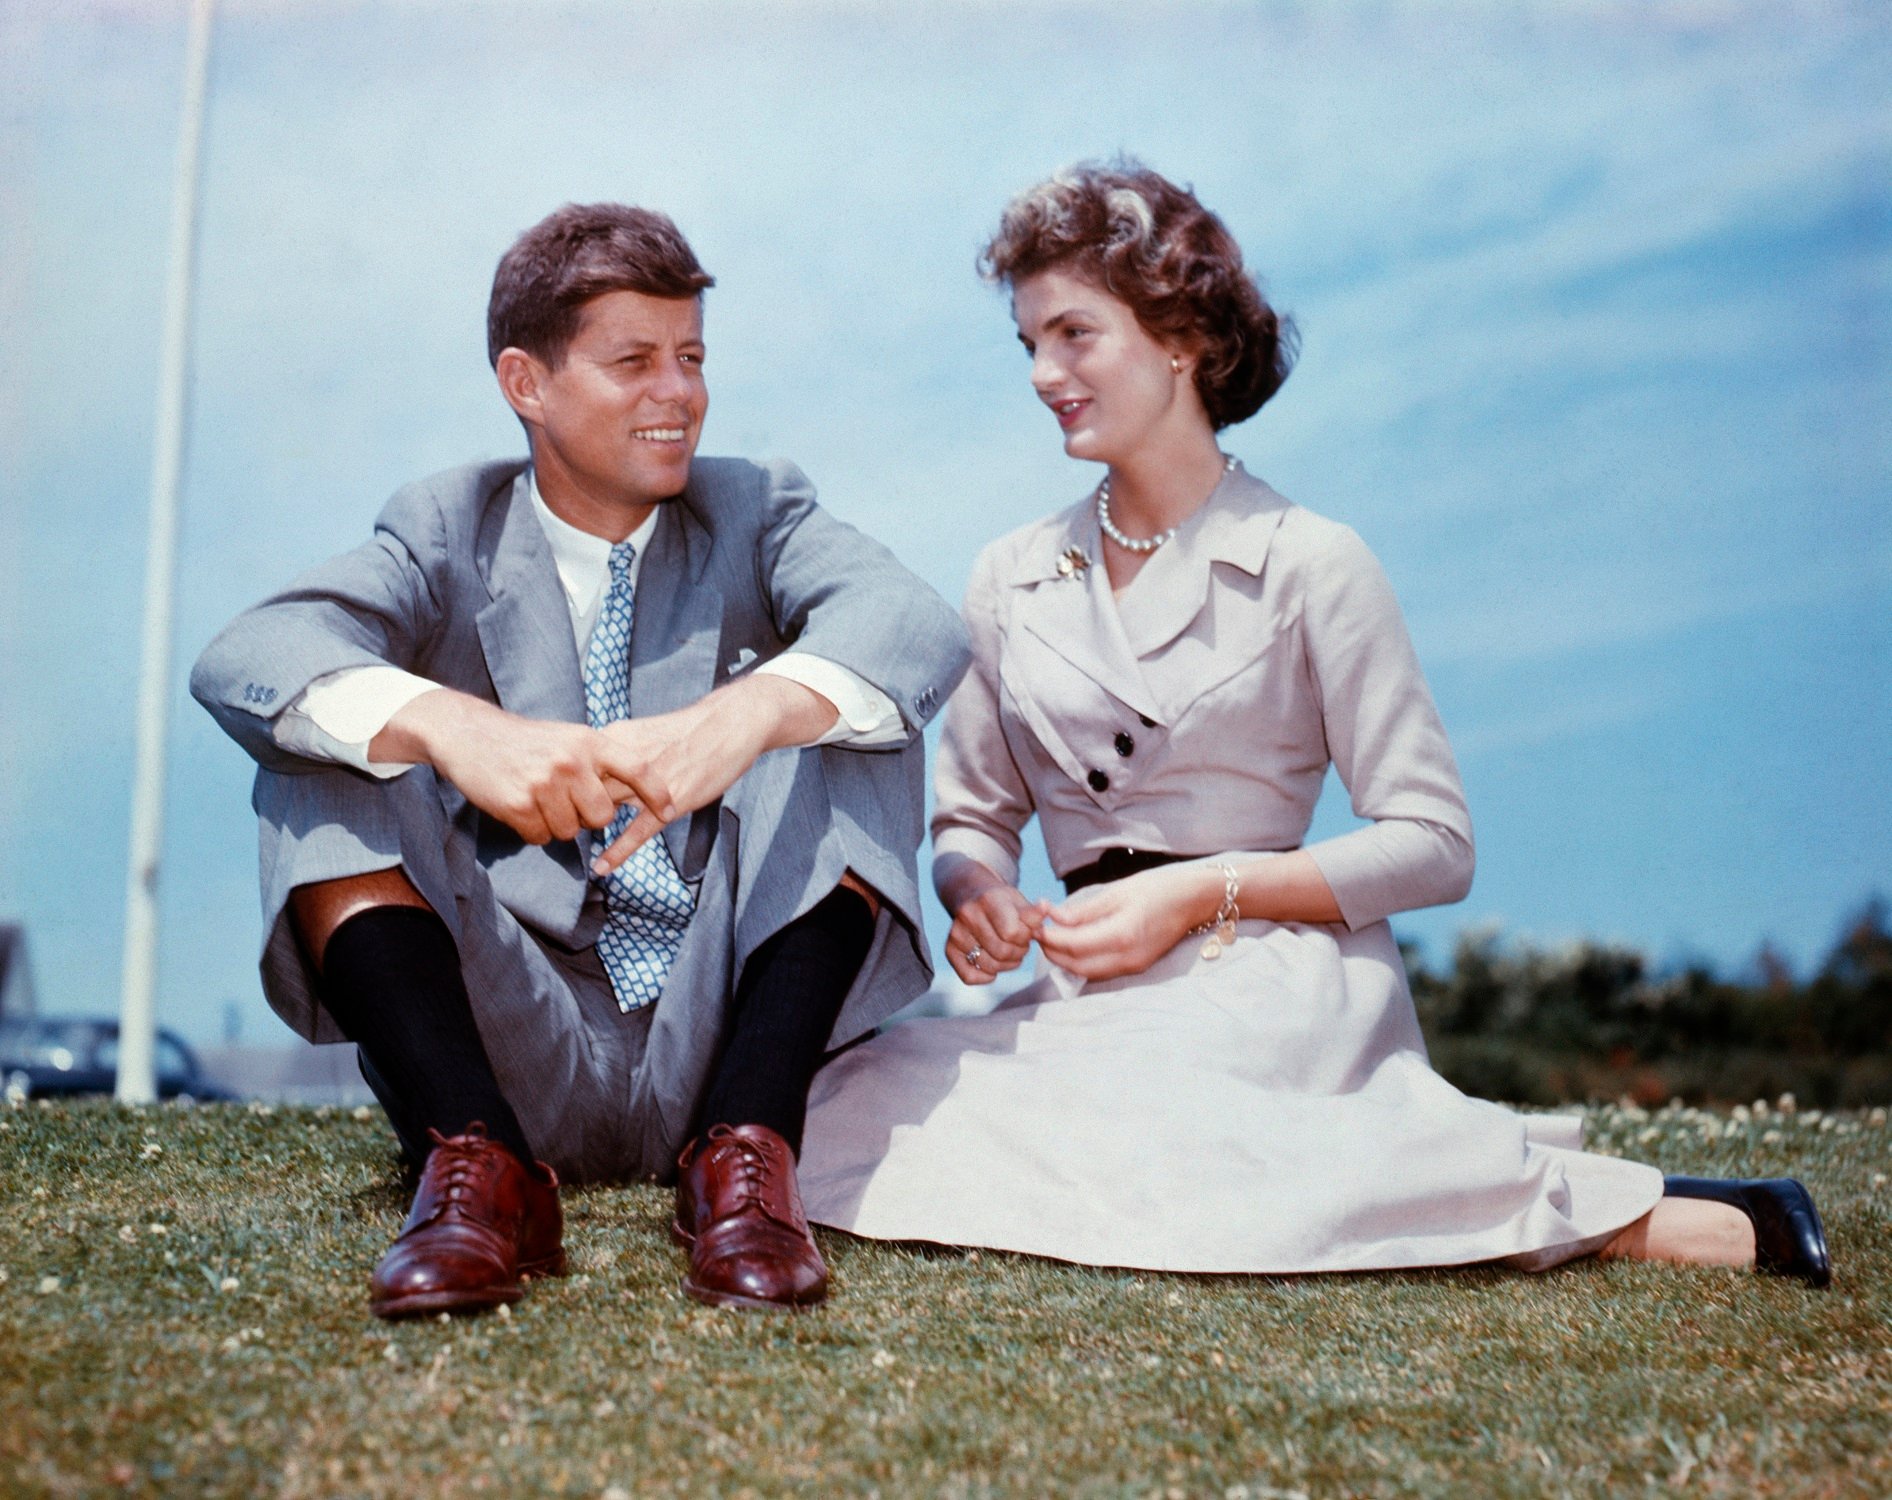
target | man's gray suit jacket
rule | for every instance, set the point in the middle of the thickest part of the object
(458, 585)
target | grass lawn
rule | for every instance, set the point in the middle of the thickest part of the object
(183, 1312)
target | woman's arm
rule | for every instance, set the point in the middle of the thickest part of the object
(1107, 931)
(1389, 747)
(981, 804)
(1387, 742)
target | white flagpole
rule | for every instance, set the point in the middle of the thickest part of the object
(137, 1012)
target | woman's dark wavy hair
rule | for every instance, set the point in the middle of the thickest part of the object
(1151, 244)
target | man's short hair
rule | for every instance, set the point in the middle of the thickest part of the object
(581, 251)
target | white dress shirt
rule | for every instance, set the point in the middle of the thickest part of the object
(337, 716)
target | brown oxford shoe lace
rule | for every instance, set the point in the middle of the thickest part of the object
(481, 1220)
(739, 1212)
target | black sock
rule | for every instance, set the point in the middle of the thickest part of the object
(391, 979)
(786, 1002)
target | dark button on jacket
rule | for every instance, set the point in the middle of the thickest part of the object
(1099, 781)
(1125, 745)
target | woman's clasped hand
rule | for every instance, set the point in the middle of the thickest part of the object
(1104, 932)
(993, 931)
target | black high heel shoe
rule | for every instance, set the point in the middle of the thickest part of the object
(1789, 1239)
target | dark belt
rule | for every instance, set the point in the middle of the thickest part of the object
(1114, 864)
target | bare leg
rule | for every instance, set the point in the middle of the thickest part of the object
(319, 908)
(852, 882)
(1686, 1231)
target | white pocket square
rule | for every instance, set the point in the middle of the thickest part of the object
(743, 658)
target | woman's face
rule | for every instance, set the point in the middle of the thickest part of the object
(1112, 387)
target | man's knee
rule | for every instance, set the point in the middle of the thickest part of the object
(319, 908)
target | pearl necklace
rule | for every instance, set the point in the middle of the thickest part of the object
(1140, 544)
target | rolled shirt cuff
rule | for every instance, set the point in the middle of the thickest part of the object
(337, 716)
(865, 716)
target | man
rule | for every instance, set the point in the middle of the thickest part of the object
(589, 795)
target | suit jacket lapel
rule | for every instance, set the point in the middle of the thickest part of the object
(1074, 614)
(677, 624)
(525, 628)
(526, 637)
(676, 635)
(1235, 526)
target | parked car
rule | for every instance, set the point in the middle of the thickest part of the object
(50, 1055)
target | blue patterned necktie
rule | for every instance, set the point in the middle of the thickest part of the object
(646, 904)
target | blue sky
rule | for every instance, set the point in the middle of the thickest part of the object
(1596, 319)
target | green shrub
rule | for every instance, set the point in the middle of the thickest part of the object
(1593, 1020)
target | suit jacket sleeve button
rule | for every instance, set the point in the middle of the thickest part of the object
(1125, 745)
(1099, 781)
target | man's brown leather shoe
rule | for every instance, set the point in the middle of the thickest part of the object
(481, 1219)
(739, 1212)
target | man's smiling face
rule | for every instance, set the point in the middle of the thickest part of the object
(617, 419)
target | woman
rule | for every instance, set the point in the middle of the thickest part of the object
(1219, 1068)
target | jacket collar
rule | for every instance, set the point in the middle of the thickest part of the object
(1105, 635)
(1065, 601)
(525, 629)
(1234, 527)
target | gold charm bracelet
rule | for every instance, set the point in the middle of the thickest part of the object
(1221, 927)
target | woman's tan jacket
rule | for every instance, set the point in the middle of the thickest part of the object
(1197, 712)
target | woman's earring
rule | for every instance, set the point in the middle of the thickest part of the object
(1175, 364)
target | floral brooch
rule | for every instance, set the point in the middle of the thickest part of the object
(1072, 562)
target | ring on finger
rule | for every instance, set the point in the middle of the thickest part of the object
(974, 954)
